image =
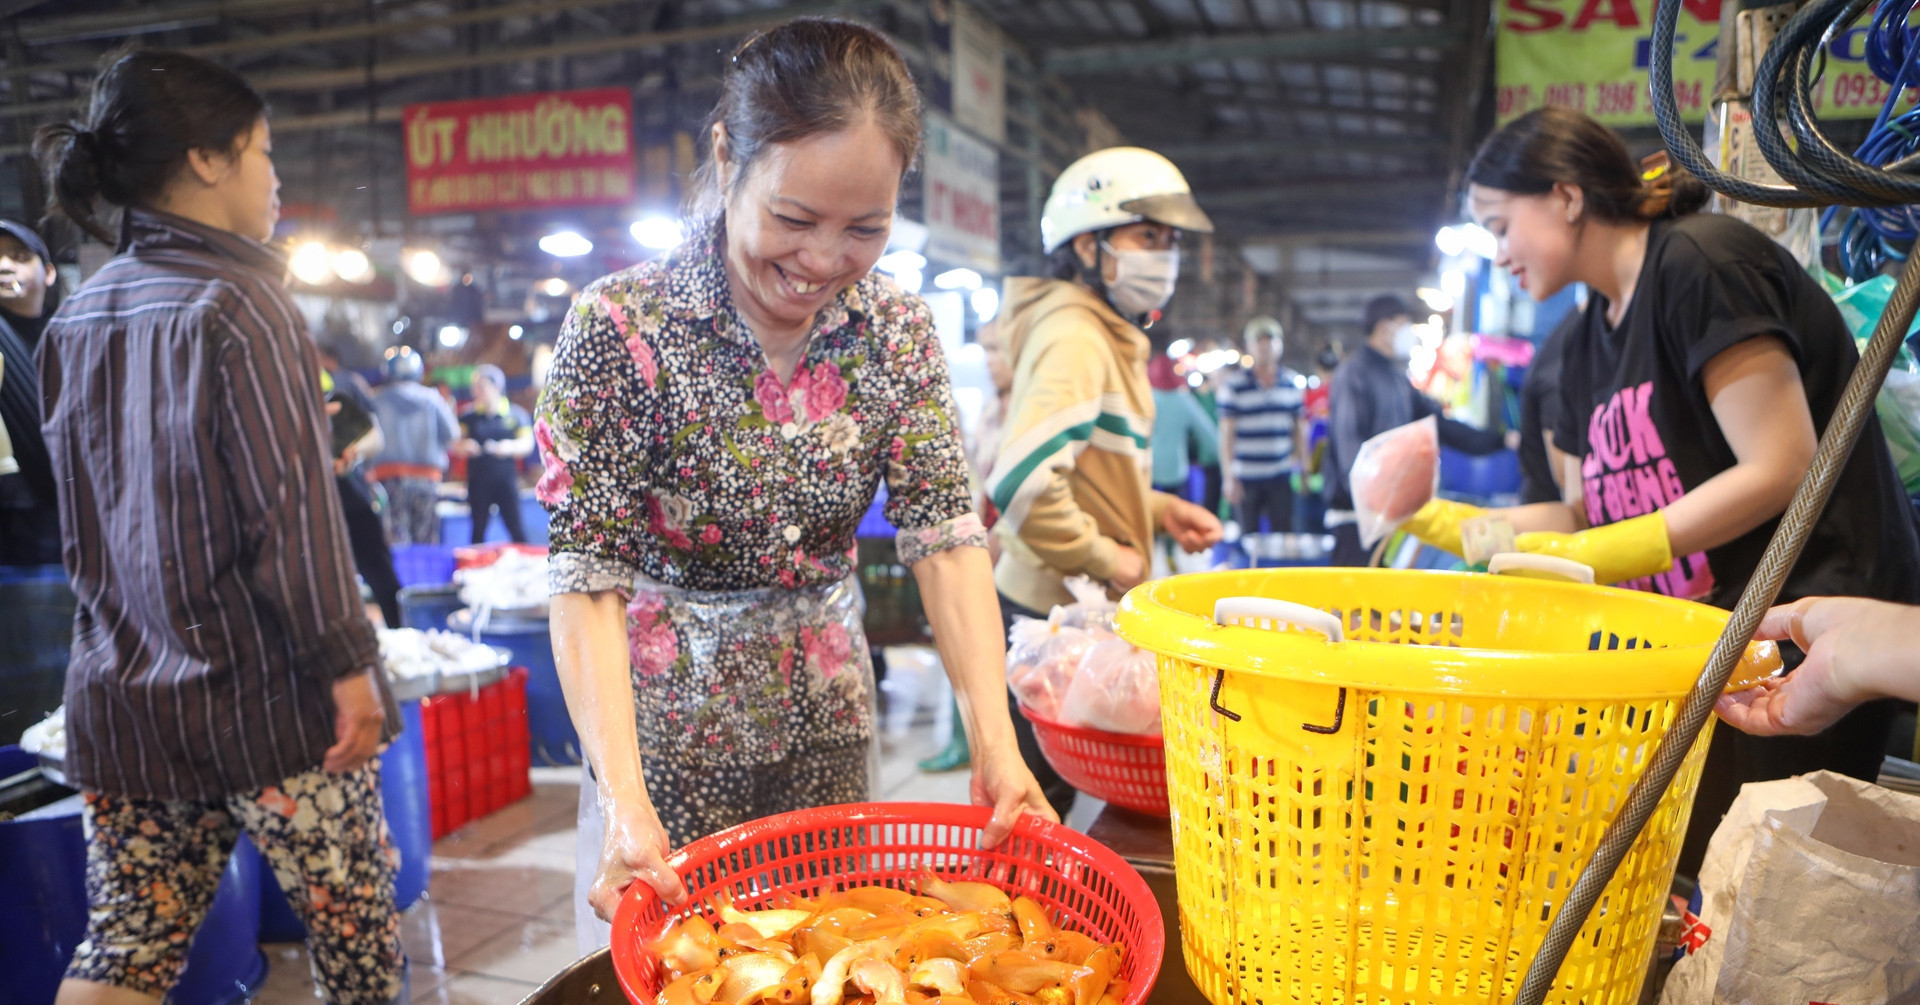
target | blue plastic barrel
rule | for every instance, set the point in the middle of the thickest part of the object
(549, 727)
(427, 607)
(225, 965)
(43, 909)
(403, 790)
(403, 795)
(43, 896)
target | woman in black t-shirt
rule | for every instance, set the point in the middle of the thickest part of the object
(1693, 390)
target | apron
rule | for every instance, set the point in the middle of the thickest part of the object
(727, 683)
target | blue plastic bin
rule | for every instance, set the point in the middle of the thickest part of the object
(423, 564)
(33, 649)
(43, 909)
(1489, 477)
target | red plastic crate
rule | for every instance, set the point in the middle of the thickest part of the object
(493, 709)
(519, 745)
(478, 756)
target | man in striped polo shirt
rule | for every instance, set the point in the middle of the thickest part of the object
(1261, 433)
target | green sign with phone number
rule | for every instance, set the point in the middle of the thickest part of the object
(1593, 55)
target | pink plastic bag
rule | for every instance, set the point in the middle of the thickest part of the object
(1117, 689)
(1042, 657)
(1394, 475)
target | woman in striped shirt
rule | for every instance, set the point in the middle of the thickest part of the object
(224, 678)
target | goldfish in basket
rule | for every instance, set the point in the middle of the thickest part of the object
(947, 942)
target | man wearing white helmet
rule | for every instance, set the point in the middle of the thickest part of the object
(1072, 477)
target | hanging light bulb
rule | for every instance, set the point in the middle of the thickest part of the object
(423, 266)
(565, 244)
(309, 263)
(658, 233)
(353, 265)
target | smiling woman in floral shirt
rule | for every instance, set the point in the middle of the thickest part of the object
(713, 429)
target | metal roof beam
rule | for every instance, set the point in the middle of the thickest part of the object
(1309, 281)
(358, 29)
(345, 118)
(1301, 146)
(1347, 238)
(1382, 188)
(1115, 57)
(143, 18)
(390, 70)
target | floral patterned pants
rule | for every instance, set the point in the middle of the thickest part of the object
(153, 866)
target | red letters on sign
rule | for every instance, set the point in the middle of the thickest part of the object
(1707, 11)
(1529, 16)
(1620, 12)
(1544, 18)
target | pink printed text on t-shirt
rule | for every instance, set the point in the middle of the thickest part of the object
(1627, 473)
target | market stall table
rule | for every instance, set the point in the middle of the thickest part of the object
(1146, 842)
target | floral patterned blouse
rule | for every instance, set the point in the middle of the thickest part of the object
(673, 452)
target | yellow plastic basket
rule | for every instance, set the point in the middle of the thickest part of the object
(1395, 817)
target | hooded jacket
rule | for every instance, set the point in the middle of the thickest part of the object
(1072, 475)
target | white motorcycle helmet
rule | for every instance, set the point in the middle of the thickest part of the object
(1114, 187)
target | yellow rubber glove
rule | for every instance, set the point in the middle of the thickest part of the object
(1625, 550)
(1438, 523)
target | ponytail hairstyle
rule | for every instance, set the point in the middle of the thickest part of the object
(1553, 145)
(807, 76)
(148, 108)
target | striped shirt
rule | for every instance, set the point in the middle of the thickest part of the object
(202, 532)
(1263, 421)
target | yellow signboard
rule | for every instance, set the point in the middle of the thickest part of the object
(1593, 55)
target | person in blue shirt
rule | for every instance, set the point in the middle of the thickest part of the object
(419, 427)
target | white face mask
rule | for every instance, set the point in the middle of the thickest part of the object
(1405, 338)
(1143, 280)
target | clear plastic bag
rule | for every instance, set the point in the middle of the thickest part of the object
(1042, 657)
(1394, 475)
(1091, 609)
(1116, 688)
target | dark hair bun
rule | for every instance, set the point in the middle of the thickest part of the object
(147, 109)
(1688, 194)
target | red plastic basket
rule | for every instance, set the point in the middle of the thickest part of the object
(1129, 771)
(1085, 885)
